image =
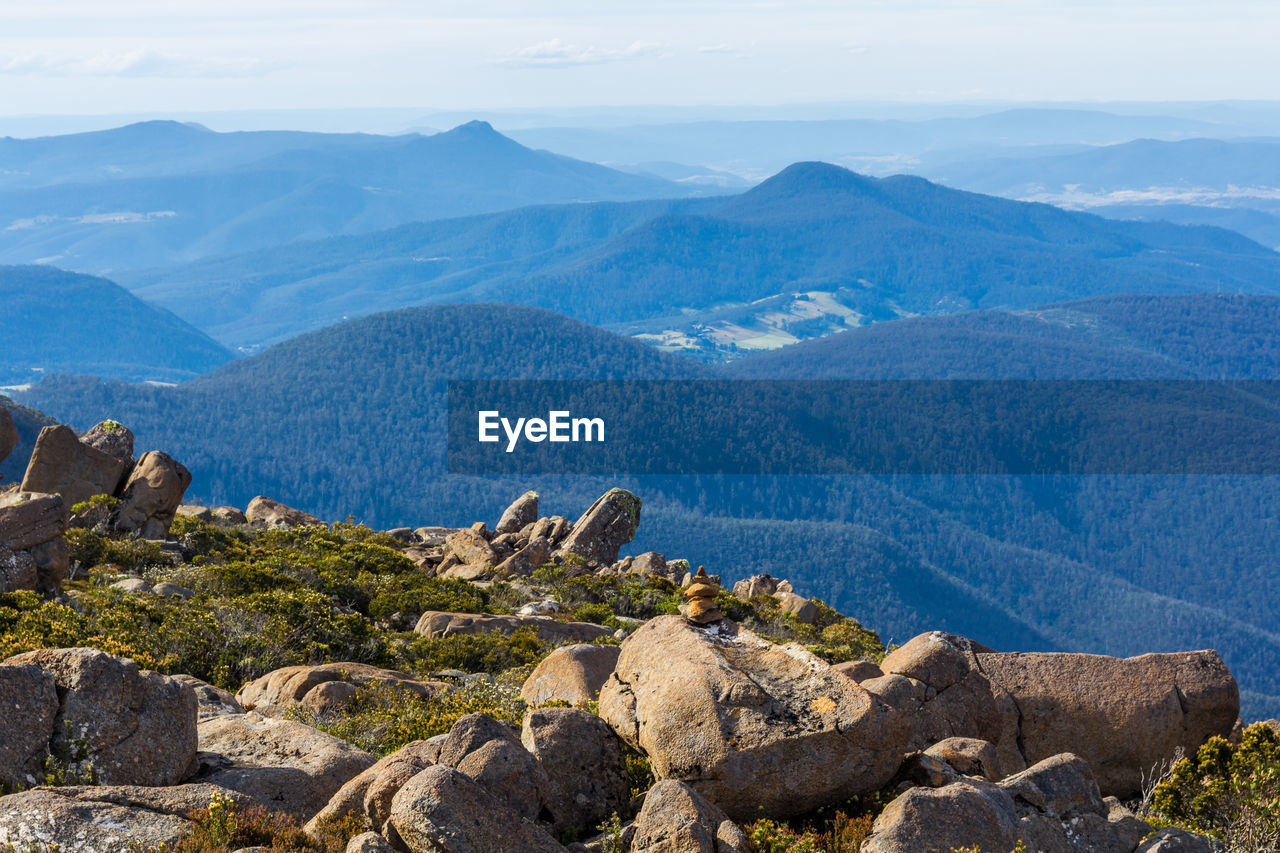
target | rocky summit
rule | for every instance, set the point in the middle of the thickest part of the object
(178, 677)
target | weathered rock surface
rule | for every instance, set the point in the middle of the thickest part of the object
(585, 765)
(371, 792)
(281, 764)
(1123, 716)
(134, 586)
(28, 519)
(138, 727)
(524, 510)
(61, 464)
(936, 681)
(490, 753)
(151, 496)
(210, 701)
(749, 724)
(470, 547)
(604, 528)
(273, 515)
(8, 434)
(53, 560)
(309, 686)
(441, 810)
(676, 819)
(1053, 807)
(18, 571)
(1175, 841)
(438, 624)
(369, 842)
(748, 588)
(102, 818)
(527, 560)
(572, 674)
(969, 757)
(858, 670)
(29, 697)
(112, 438)
(804, 610)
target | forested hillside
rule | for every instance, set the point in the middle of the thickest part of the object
(350, 420)
(60, 321)
(868, 249)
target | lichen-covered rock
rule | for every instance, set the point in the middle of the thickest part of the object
(112, 438)
(438, 624)
(61, 464)
(371, 792)
(29, 697)
(306, 685)
(1053, 807)
(103, 818)
(210, 701)
(935, 680)
(138, 727)
(151, 496)
(369, 842)
(283, 765)
(18, 571)
(273, 515)
(676, 819)
(1124, 716)
(751, 725)
(604, 528)
(585, 765)
(572, 674)
(441, 810)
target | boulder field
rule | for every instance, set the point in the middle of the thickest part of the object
(968, 746)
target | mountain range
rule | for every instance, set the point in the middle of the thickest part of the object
(1233, 183)
(350, 419)
(814, 249)
(162, 192)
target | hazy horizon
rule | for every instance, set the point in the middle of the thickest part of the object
(68, 57)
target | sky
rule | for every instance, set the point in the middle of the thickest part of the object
(73, 57)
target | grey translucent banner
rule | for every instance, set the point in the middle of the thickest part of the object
(499, 427)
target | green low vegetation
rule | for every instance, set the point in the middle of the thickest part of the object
(1231, 793)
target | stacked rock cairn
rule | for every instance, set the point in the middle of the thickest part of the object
(700, 596)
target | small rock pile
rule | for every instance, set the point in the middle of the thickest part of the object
(700, 599)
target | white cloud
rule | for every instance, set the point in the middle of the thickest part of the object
(131, 63)
(716, 48)
(558, 54)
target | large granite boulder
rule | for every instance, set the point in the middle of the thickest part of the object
(8, 434)
(751, 725)
(1053, 807)
(441, 810)
(28, 519)
(281, 764)
(438, 624)
(1125, 717)
(323, 688)
(103, 818)
(151, 496)
(585, 766)
(64, 465)
(112, 438)
(273, 515)
(604, 528)
(490, 753)
(133, 726)
(523, 511)
(370, 793)
(572, 674)
(934, 679)
(29, 697)
(676, 819)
